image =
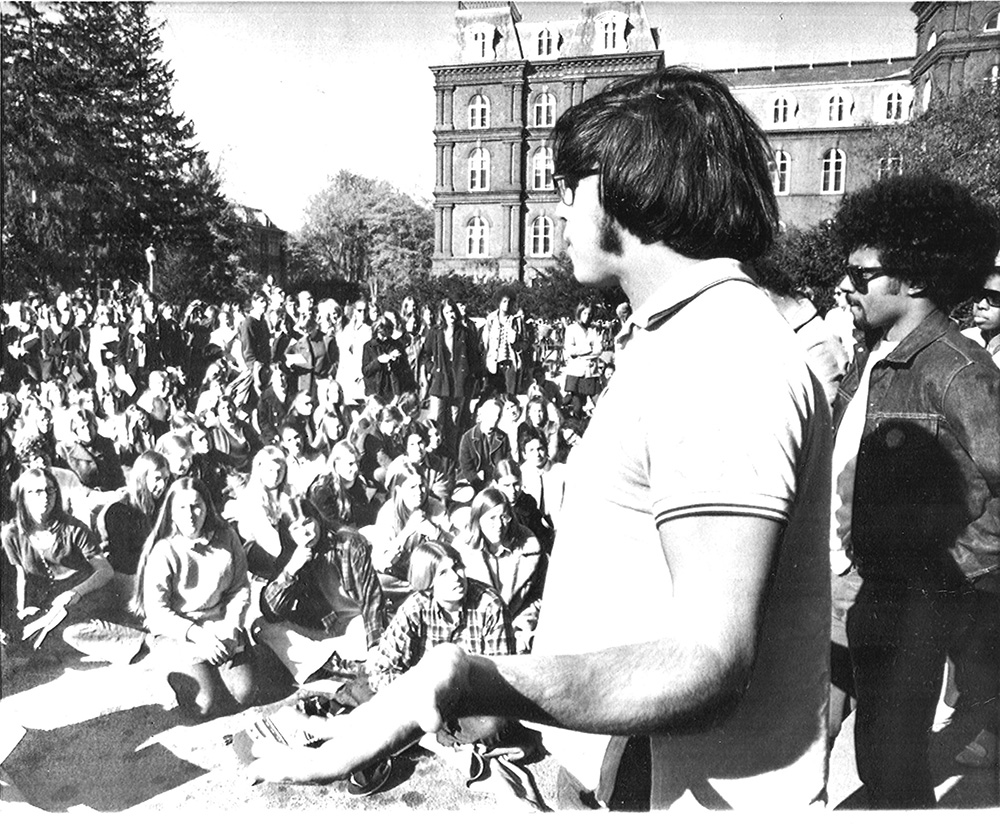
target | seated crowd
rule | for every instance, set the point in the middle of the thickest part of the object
(335, 491)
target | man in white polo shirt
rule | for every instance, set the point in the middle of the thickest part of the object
(685, 618)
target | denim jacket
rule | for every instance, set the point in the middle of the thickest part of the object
(927, 484)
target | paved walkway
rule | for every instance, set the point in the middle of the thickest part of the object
(106, 738)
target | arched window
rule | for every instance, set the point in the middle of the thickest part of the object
(479, 112)
(927, 94)
(932, 41)
(544, 43)
(992, 23)
(834, 167)
(542, 168)
(479, 170)
(894, 106)
(541, 237)
(994, 76)
(477, 238)
(781, 172)
(781, 110)
(836, 109)
(611, 30)
(545, 109)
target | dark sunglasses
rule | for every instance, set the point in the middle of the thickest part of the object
(859, 276)
(991, 296)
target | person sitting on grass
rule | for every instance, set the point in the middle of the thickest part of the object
(192, 591)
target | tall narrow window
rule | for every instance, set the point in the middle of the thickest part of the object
(479, 170)
(835, 109)
(479, 44)
(541, 237)
(545, 109)
(610, 34)
(781, 110)
(834, 166)
(477, 238)
(479, 112)
(894, 106)
(544, 43)
(781, 173)
(542, 167)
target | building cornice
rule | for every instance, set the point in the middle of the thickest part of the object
(444, 136)
(511, 71)
(824, 131)
(604, 64)
(961, 46)
(564, 68)
(503, 197)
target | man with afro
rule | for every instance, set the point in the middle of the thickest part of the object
(916, 464)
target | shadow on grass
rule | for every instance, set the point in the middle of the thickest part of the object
(100, 764)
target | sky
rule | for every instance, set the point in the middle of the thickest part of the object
(283, 95)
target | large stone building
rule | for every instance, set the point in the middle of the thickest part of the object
(813, 114)
(494, 204)
(494, 201)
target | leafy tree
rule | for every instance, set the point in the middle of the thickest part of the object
(958, 137)
(362, 230)
(809, 261)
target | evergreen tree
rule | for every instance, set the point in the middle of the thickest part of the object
(97, 164)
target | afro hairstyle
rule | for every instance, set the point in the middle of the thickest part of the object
(929, 231)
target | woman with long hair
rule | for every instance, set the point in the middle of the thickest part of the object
(582, 347)
(498, 550)
(407, 518)
(339, 494)
(541, 417)
(508, 480)
(124, 525)
(59, 569)
(193, 592)
(477, 622)
(257, 510)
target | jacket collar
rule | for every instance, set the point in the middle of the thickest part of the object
(933, 327)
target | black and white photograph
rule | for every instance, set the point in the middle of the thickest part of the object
(499, 406)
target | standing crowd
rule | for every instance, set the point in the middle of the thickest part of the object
(338, 491)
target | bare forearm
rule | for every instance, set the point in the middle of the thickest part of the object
(638, 689)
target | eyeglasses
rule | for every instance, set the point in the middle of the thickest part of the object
(566, 185)
(859, 276)
(991, 296)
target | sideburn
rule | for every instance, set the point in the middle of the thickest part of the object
(609, 236)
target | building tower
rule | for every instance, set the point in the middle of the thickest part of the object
(494, 198)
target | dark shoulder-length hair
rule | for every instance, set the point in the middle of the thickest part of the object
(57, 515)
(679, 161)
(165, 528)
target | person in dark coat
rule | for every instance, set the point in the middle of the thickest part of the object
(383, 360)
(452, 354)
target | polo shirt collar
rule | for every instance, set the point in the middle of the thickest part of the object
(679, 290)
